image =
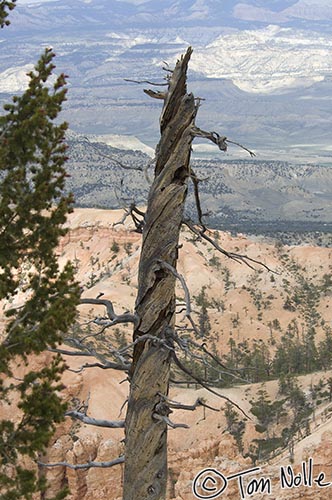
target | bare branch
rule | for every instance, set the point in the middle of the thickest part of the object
(164, 418)
(188, 312)
(144, 338)
(133, 211)
(88, 465)
(94, 421)
(109, 157)
(234, 256)
(167, 68)
(78, 343)
(104, 366)
(123, 218)
(101, 302)
(172, 269)
(105, 324)
(123, 404)
(220, 141)
(228, 371)
(146, 168)
(115, 319)
(203, 384)
(180, 406)
(139, 223)
(155, 95)
(194, 327)
(200, 214)
(146, 81)
(211, 136)
(183, 343)
(122, 364)
(243, 147)
(65, 352)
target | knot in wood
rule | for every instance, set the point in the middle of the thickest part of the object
(162, 409)
(168, 333)
(151, 490)
(221, 143)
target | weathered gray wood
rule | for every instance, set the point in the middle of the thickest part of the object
(145, 474)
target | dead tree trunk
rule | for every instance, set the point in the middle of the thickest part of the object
(145, 475)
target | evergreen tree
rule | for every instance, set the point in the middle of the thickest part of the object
(5, 6)
(300, 407)
(298, 403)
(290, 353)
(33, 210)
(235, 426)
(325, 349)
(264, 410)
(267, 413)
(260, 361)
(326, 284)
(329, 387)
(203, 318)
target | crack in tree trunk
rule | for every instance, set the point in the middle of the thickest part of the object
(145, 475)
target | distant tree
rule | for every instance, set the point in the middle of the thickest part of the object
(235, 425)
(254, 361)
(289, 305)
(297, 402)
(326, 284)
(203, 317)
(33, 210)
(268, 414)
(329, 388)
(285, 382)
(318, 392)
(290, 353)
(264, 410)
(260, 361)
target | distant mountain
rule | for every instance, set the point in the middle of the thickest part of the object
(268, 59)
(77, 14)
(109, 14)
(313, 10)
(266, 85)
(121, 14)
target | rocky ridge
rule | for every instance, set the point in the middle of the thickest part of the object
(246, 195)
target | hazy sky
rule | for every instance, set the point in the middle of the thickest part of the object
(136, 2)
